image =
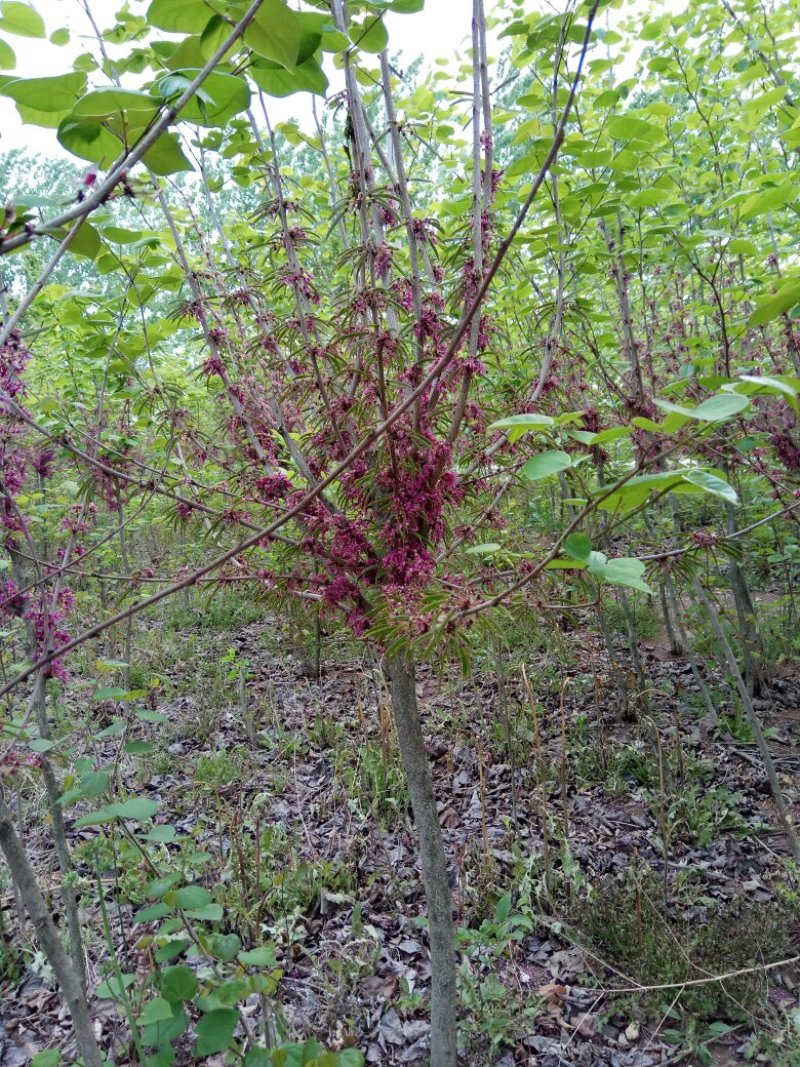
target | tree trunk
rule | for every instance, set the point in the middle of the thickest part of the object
(441, 930)
(66, 974)
(60, 841)
(784, 811)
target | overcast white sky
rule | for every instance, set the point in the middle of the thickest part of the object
(437, 31)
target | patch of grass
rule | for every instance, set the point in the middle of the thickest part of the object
(646, 617)
(498, 1011)
(376, 783)
(221, 610)
(627, 924)
(778, 1047)
(12, 958)
(222, 768)
(697, 816)
(271, 885)
(622, 768)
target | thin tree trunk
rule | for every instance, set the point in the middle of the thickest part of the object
(746, 617)
(38, 705)
(65, 973)
(754, 721)
(688, 652)
(59, 831)
(675, 644)
(441, 929)
(643, 700)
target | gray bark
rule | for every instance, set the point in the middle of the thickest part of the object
(754, 721)
(65, 973)
(441, 930)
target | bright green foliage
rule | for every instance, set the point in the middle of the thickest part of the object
(251, 300)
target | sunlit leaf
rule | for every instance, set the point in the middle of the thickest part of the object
(21, 19)
(546, 464)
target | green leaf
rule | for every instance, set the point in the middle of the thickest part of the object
(225, 946)
(160, 1034)
(627, 127)
(258, 1057)
(148, 715)
(642, 423)
(21, 19)
(48, 1057)
(487, 549)
(503, 909)
(8, 59)
(86, 241)
(283, 35)
(750, 384)
(119, 236)
(159, 887)
(215, 1031)
(652, 31)
(46, 94)
(226, 995)
(191, 896)
(349, 1057)
(178, 983)
(162, 834)
(624, 571)
(179, 16)
(89, 140)
(211, 913)
(615, 433)
(578, 546)
(60, 37)
(518, 425)
(277, 81)
(41, 744)
(768, 200)
(709, 483)
(33, 117)
(112, 989)
(137, 808)
(113, 692)
(152, 913)
(222, 96)
(370, 35)
(166, 156)
(650, 198)
(741, 246)
(172, 949)
(717, 408)
(787, 296)
(155, 1012)
(585, 437)
(769, 384)
(117, 727)
(720, 408)
(103, 103)
(546, 464)
(264, 956)
(90, 785)
(138, 748)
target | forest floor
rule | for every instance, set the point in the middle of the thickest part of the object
(596, 851)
